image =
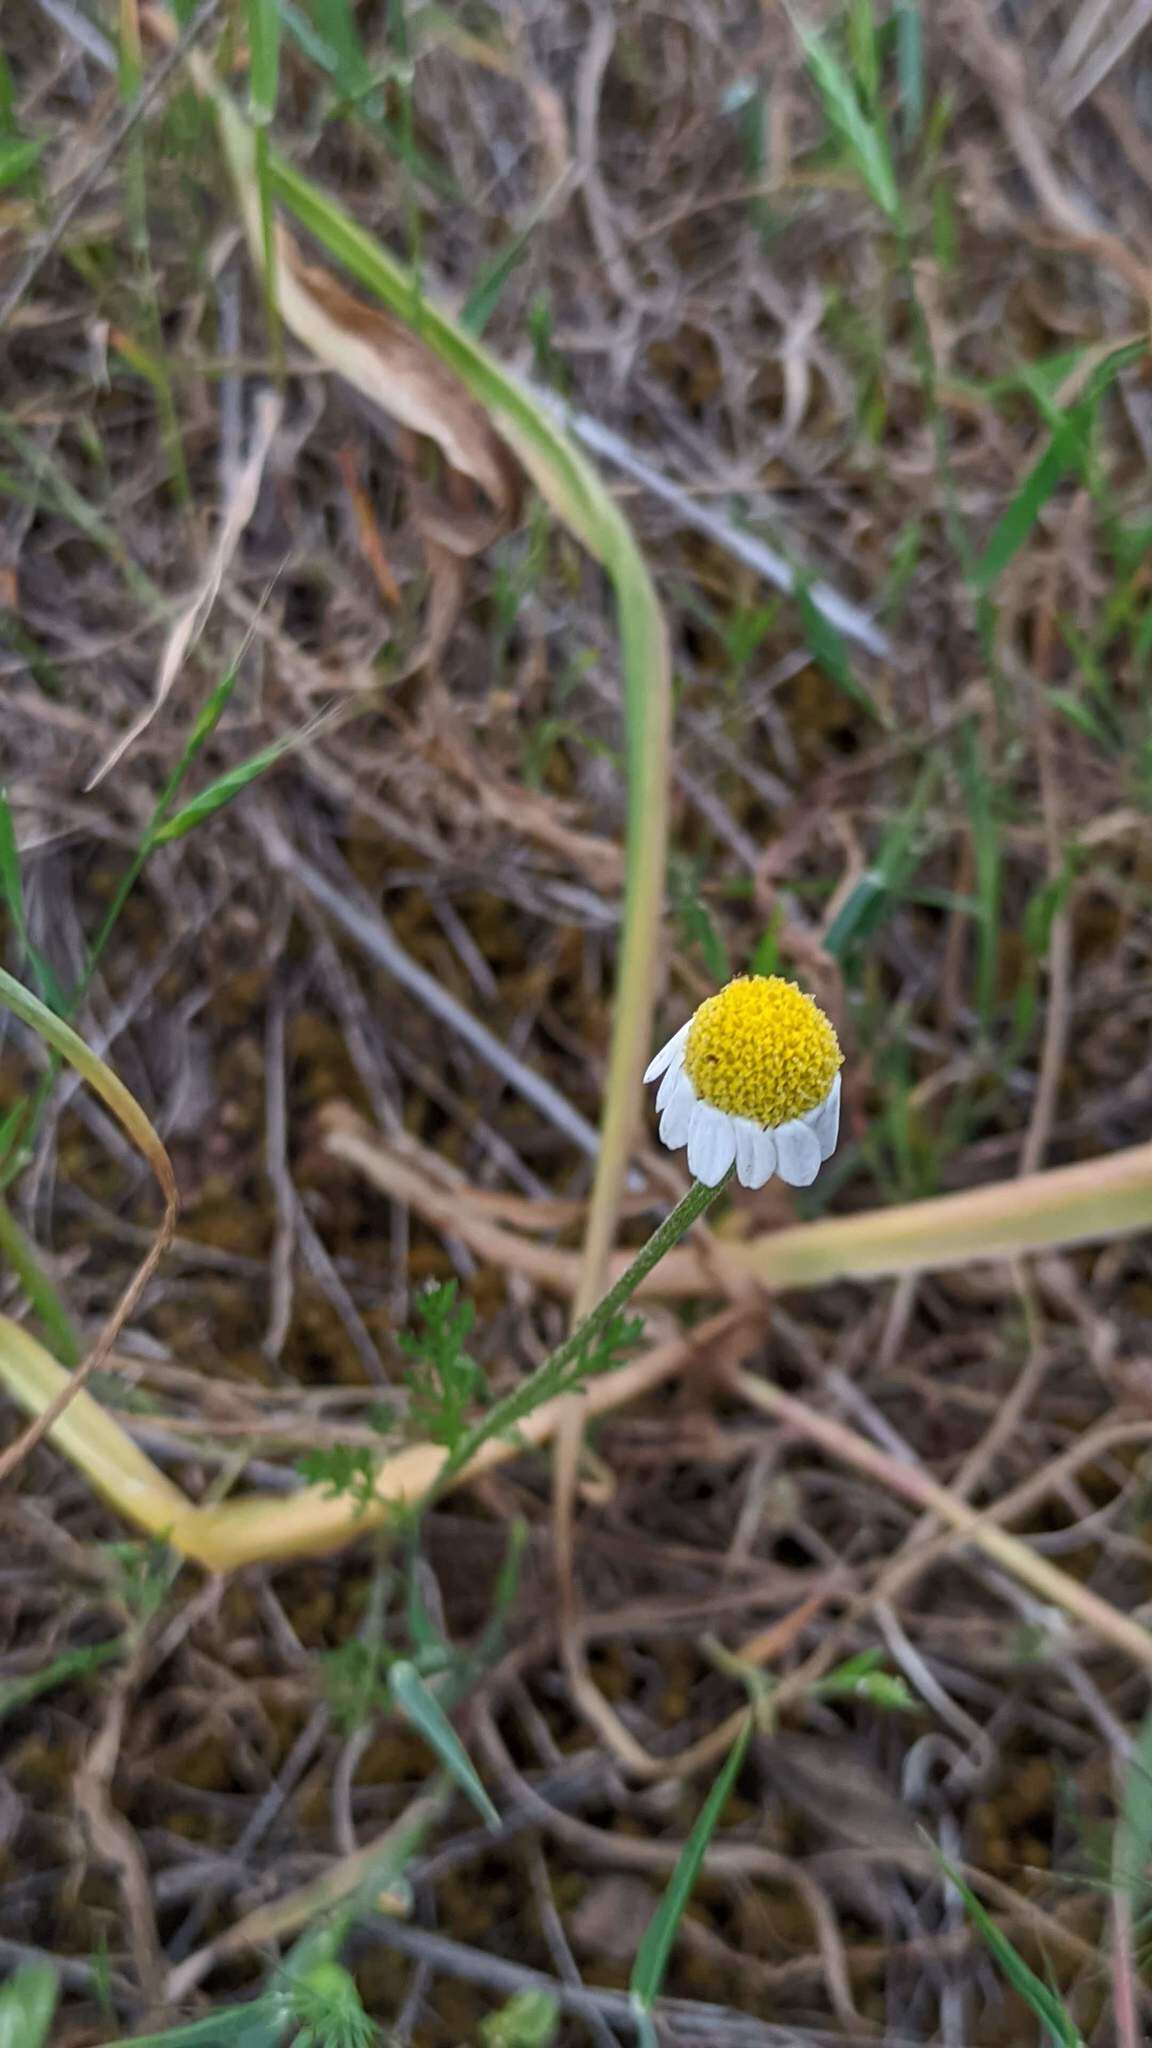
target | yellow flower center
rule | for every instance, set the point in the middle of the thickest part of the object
(762, 1049)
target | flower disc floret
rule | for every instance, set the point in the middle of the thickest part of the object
(761, 1049)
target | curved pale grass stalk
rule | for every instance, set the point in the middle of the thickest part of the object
(96, 1445)
(68, 1045)
(1089, 1203)
(49, 1408)
(261, 1529)
(1092, 1202)
(581, 501)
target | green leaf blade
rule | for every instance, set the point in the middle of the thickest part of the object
(219, 793)
(419, 1705)
(18, 156)
(655, 1948)
(27, 2003)
(829, 651)
(862, 135)
(1043, 2002)
(263, 58)
(1065, 455)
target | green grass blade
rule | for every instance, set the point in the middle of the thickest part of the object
(1132, 1844)
(20, 1255)
(11, 879)
(258, 2024)
(207, 721)
(830, 653)
(507, 1587)
(359, 87)
(46, 481)
(263, 17)
(221, 792)
(881, 884)
(1065, 455)
(27, 2003)
(107, 1085)
(1048, 2008)
(555, 464)
(979, 796)
(263, 58)
(419, 1705)
(11, 1126)
(69, 1665)
(488, 290)
(336, 23)
(12, 895)
(1083, 718)
(18, 156)
(697, 926)
(910, 67)
(205, 725)
(861, 134)
(656, 1945)
(864, 50)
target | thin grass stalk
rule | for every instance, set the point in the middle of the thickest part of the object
(581, 501)
(377, 1869)
(69, 1046)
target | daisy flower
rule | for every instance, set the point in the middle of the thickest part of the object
(752, 1081)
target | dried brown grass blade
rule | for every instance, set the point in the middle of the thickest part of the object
(240, 506)
(383, 359)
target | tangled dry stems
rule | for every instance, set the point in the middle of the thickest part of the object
(481, 805)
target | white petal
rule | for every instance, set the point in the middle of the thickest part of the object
(671, 1076)
(797, 1153)
(824, 1120)
(711, 1144)
(678, 1113)
(656, 1066)
(755, 1153)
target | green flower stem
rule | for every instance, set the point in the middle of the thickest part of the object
(541, 1384)
(681, 1218)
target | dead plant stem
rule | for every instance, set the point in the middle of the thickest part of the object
(1075, 1600)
